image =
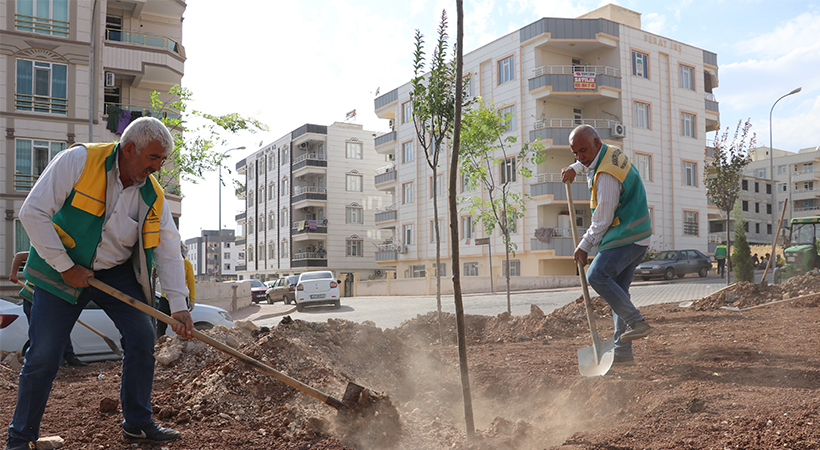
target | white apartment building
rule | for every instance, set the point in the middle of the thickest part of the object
(310, 203)
(203, 252)
(644, 93)
(69, 70)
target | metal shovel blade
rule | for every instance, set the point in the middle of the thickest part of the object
(594, 365)
(732, 308)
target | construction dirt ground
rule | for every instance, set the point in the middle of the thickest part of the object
(707, 378)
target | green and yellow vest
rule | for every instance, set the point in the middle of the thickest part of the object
(631, 222)
(79, 222)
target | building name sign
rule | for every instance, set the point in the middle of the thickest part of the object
(585, 80)
(660, 42)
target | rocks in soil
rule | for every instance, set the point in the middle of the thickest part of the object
(109, 405)
(744, 294)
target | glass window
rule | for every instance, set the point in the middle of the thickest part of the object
(744, 184)
(283, 217)
(407, 232)
(439, 179)
(468, 86)
(690, 223)
(471, 269)
(690, 173)
(506, 70)
(417, 271)
(465, 183)
(761, 173)
(467, 227)
(644, 166)
(354, 247)
(640, 64)
(508, 117)
(745, 205)
(283, 189)
(31, 159)
(353, 214)
(515, 267)
(406, 112)
(41, 87)
(354, 183)
(687, 77)
(21, 241)
(508, 170)
(435, 229)
(271, 221)
(407, 153)
(407, 193)
(354, 150)
(687, 125)
(284, 159)
(642, 115)
(443, 267)
(781, 169)
(43, 16)
(283, 249)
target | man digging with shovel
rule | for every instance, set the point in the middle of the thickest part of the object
(620, 228)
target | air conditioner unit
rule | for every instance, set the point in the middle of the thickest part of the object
(303, 145)
(391, 156)
(403, 249)
(618, 130)
(391, 124)
(109, 79)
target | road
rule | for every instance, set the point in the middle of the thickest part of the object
(390, 312)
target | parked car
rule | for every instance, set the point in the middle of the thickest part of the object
(14, 327)
(258, 289)
(671, 263)
(317, 288)
(282, 289)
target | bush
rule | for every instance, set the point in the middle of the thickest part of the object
(742, 267)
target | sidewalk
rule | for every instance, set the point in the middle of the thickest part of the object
(257, 311)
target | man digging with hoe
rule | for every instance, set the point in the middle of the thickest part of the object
(96, 211)
(620, 228)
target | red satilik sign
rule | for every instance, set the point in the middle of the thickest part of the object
(585, 80)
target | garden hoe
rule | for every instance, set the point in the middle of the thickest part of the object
(597, 359)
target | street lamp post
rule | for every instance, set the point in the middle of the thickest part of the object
(771, 161)
(219, 230)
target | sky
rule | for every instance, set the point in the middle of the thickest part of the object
(287, 63)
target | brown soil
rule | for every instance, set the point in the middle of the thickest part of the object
(707, 378)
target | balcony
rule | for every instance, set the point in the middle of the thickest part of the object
(310, 162)
(387, 252)
(806, 173)
(386, 215)
(576, 36)
(40, 103)
(560, 81)
(309, 227)
(386, 177)
(712, 112)
(382, 142)
(382, 104)
(309, 259)
(308, 193)
(41, 25)
(804, 194)
(556, 131)
(550, 184)
(149, 58)
(24, 181)
(240, 217)
(239, 242)
(151, 40)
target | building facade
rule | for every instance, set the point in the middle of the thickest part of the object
(310, 203)
(203, 252)
(77, 72)
(649, 95)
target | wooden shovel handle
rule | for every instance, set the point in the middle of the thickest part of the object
(258, 365)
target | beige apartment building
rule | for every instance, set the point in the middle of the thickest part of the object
(76, 72)
(310, 204)
(647, 94)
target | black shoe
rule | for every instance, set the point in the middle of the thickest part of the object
(623, 361)
(18, 446)
(74, 361)
(637, 330)
(150, 433)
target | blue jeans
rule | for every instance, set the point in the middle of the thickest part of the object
(52, 319)
(610, 274)
(68, 352)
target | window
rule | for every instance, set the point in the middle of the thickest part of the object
(240, 255)
(271, 191)
(768, 209)
(271, 161)
(21, 240)
(466, 186)
(407, 232)
(761, 173)
(31, 159)
(744, 184)
(471, 269)
(508, 170)
(406, 112)
(407, 193)
(745, 206)
(757, 227)
(261, 223)
(757, 207)
(285, 159)
(227, 245)
(769, 228)
(515, 267)
(353, 183)
(467, 227)
(41, 87)
(690, 223)
(644, 166)
(780, 206)
(443, 267)
(746, 226)
(283, 189)
(283, 249)
(354, 247)
(272, 250)
(642, 115)
(354, 150)
(435, 230)
(271, 221)
(250, 226)
(417, 271)
(781, 169)
(468, 86)
(43, 16)
(439, 188)
(781, 187)
(283, 217)
(508, 117)
(261, 254)
(353, 214)
(227, 266)
(687, 77)
(506, 70)
(577, 116)
(690, 173)
(513, 225)
(757, 186)
(640, 64)
(407, 154)
(687, 125)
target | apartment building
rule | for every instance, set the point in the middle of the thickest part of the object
(310, 203)
(204, 250)
(796, 179)
(76, 72)
(647, 94)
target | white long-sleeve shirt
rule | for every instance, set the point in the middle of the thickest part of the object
(608, 196)
(120, 232)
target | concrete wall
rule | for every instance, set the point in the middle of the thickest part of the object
(222, 295)
(469, 285)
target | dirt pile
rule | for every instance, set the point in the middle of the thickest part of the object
(744, 294)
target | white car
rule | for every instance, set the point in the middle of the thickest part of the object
(14, 327)
(317, 288)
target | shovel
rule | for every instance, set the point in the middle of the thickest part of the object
(108, 340)
(597, 359)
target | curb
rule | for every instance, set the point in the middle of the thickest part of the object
(271, 315)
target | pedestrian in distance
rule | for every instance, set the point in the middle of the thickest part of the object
(97, 211)
(620, 228)
(720, 257)
(755, 261)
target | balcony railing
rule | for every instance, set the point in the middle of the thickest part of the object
(24, 181)
(386, 215)
(319, 156)
(309, 255)
(572, 123)
(145, 110)
(710, 96)
(556, 177)
(151, 40)
(606, 70)
(802, 191)
(299, 190)
(309, 226)
(42, 25)
(385, 138)
(40, 103)
(386, 208)
(389, 175)
(804, 170)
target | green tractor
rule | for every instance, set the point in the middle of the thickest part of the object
(801, 254)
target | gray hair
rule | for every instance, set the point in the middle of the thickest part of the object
(586, 131)
(145, 130)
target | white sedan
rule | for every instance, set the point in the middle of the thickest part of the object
(317, 288)
(14, 328)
